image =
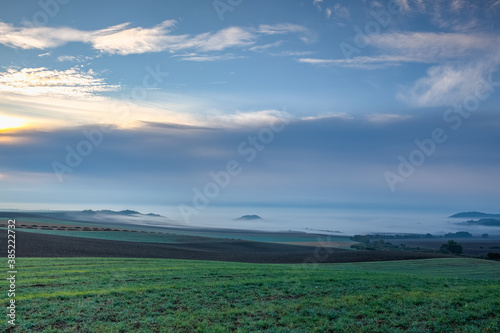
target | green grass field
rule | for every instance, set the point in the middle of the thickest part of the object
(160, 295)
(176, 237)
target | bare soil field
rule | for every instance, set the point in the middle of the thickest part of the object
(471, 246)
(42, 245)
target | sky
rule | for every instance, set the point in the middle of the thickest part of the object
(194, 108)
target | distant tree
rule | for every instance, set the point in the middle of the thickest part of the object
(428, 235)
(494, 256)
(484, 235)
(451, 247)
(459, 234)
(361, 238)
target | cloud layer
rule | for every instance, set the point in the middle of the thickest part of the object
(459, 62)
(320, 159)
(123, 39)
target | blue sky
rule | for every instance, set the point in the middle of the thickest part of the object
(379, 104)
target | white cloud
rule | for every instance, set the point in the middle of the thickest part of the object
(417, 47)
(48, 107)
(328, 12)
(80, 58)
(259, 48)
(435, 47)
(363, 62)
(291, 53)
(445, 85)
(343, 116)
(252, 118)
(456, 15)
(71, 83)
(200, 58)
(39, 37)
(341, 12)
(124, 40)
(317, 3)
(66, 58)
(54, 110)
(382, 118)
(459, 61)
(305, 34)
(456, 5)
(226, 38)
(403, 5)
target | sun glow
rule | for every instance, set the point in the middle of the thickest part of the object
(7, 123)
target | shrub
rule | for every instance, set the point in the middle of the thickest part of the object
(494, 256)
(451, 247)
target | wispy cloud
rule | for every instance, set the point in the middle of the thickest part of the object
(329, 116)
(39, 37)
(340, 12)
(305, 34)
(458, 62)
(245, 119)
(80, 58)
(227, 38)
(260, 48)
(445, 85)
(455, 15)
(382, 118)
(67, 58)
(70, 83)
(56, 111)
(435, 47)
(328, 12)
(317, 3)
(364, 62)
(291, 53)
(47, 107)
(202, 58)
(418, 47)
(124, 40)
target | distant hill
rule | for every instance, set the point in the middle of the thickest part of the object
(477, 215)
(96, 216)
(486, 222)
(249, 218)
(126, 212)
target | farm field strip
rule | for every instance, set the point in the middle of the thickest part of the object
(114, 235)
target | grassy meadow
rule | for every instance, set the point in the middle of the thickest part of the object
(163, 295)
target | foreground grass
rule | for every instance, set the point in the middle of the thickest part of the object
(160, 295)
